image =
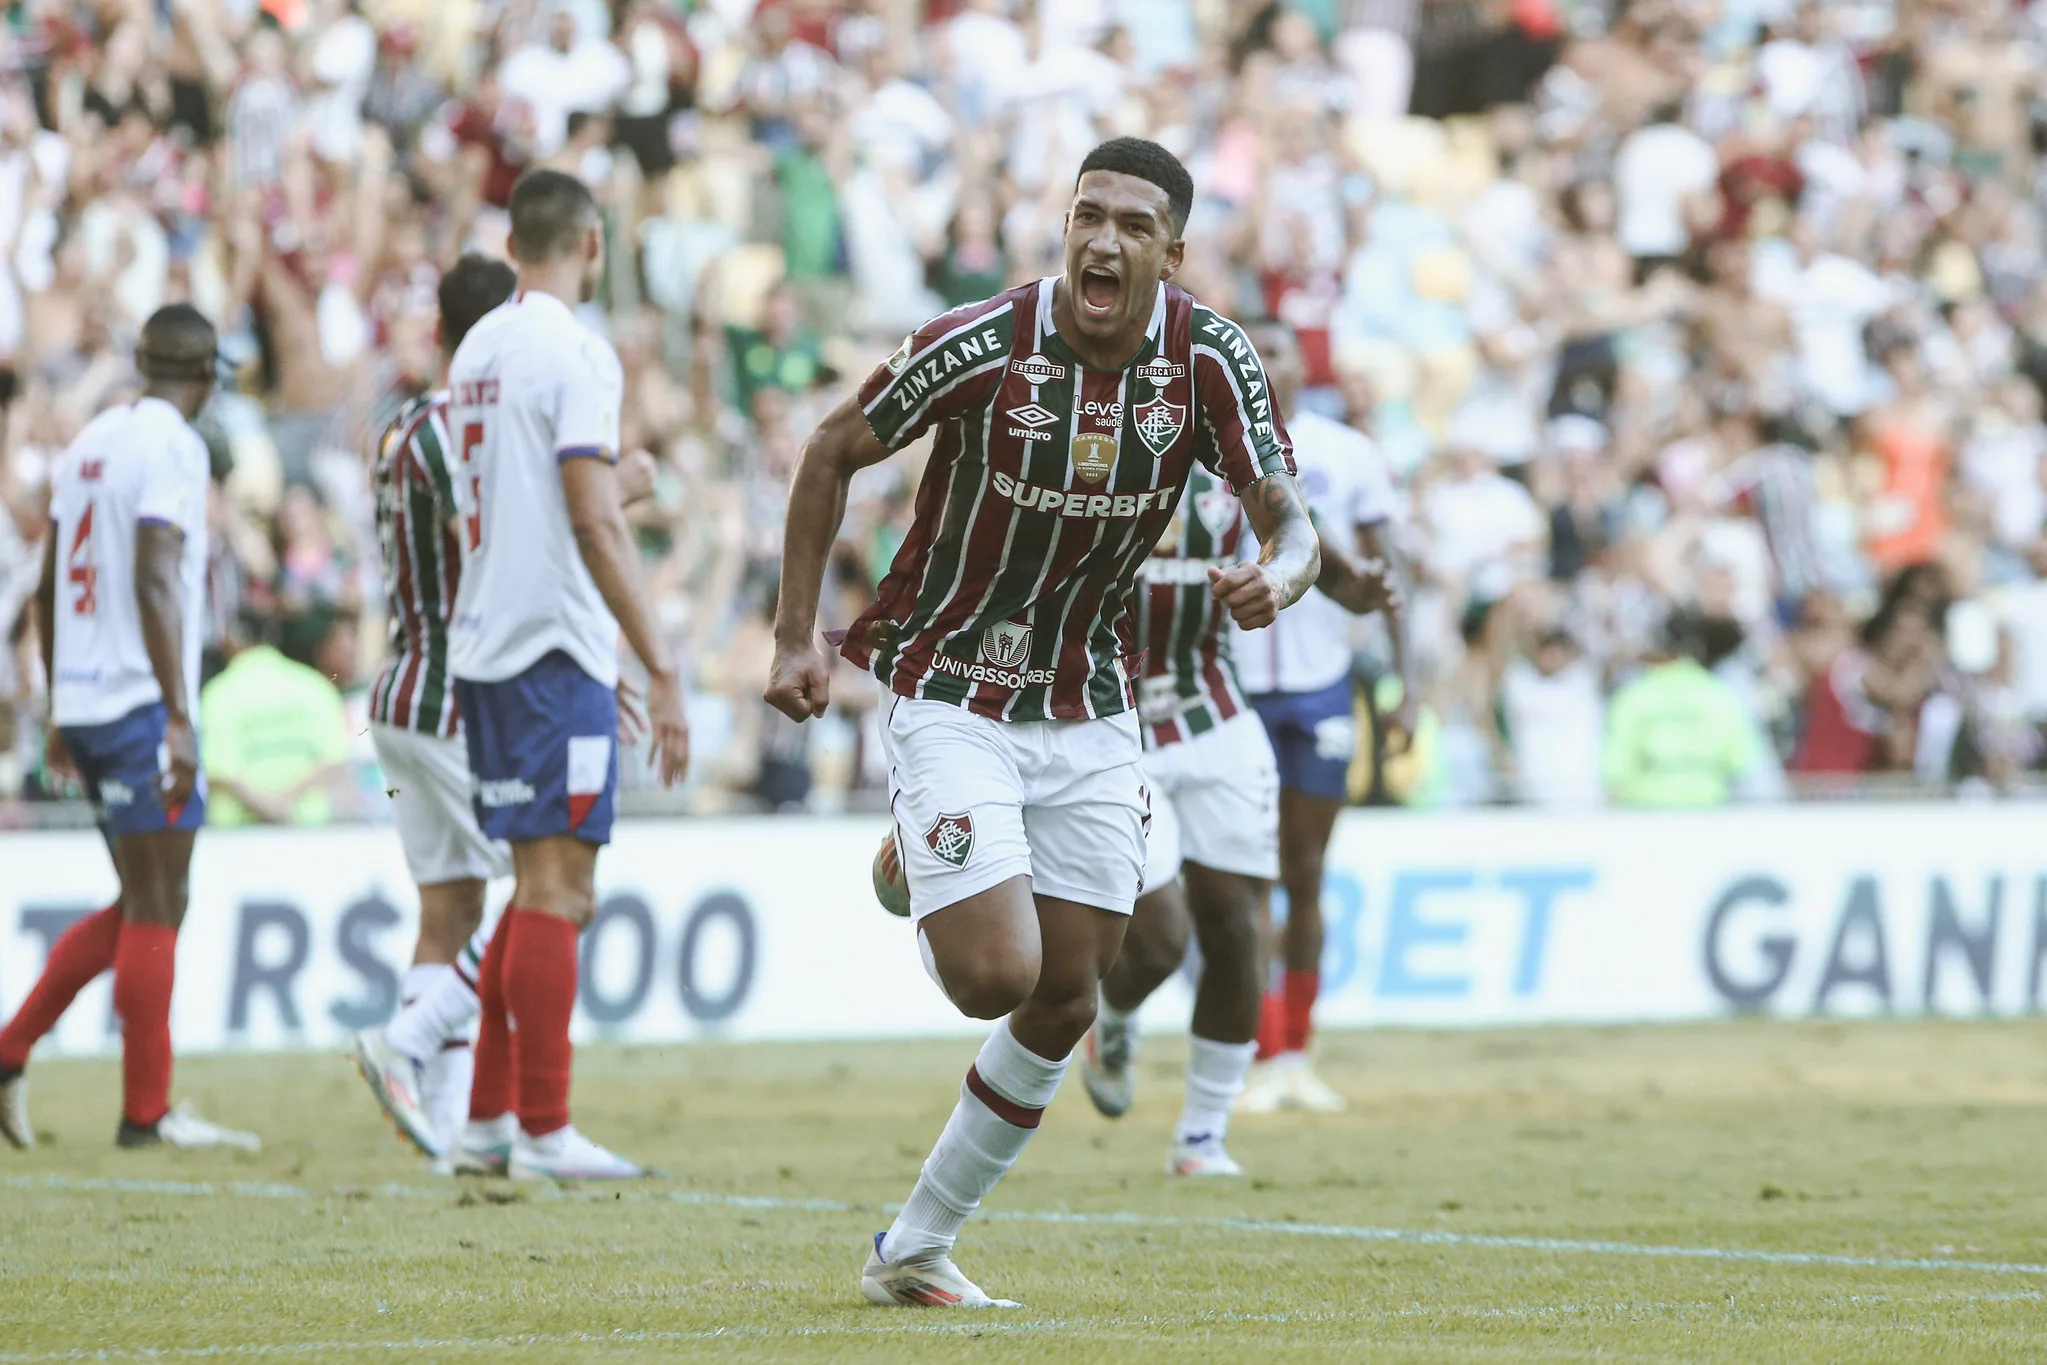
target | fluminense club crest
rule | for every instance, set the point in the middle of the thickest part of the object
(1159, 424)
(951, 838)
(1006, 644)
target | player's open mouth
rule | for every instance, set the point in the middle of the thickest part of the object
(1099, 289)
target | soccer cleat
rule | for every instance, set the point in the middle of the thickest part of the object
(484, 1146)
(1201, 1155)
(1266, 1091)
(396, 1080)
(184, 1129)
(14, 1125)
(1306, 1091)
(927, 1281)
(566, 1154)
(1105, 1065)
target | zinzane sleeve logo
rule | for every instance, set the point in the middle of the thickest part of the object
(1250, 438)
(948, 368)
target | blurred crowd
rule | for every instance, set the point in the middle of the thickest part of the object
(1707, 340)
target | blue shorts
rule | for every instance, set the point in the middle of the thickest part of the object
(543, 752)
(1314, 735)
(122, 763)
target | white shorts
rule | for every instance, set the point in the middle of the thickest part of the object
(978, 801)
(1215, 801)
(428, 778)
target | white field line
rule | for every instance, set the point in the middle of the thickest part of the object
(976, 1325)
(1256, 1226)
(972, 1325)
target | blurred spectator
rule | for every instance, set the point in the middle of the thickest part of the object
(273, 741)
(1677, 736)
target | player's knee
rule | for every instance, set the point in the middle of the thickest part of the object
(1159, 951)
(990, 987)
(1064, 1014)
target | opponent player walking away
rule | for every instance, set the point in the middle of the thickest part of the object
(1215, 791)
(121, 611)
(550, 577)
(419, 1064)
(1068, 412)
(1298, 678)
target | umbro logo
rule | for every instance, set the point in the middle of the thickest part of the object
(1027, 423)
(1038, 369)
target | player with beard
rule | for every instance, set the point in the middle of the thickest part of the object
(550, 580)
(1215, 793)
(1068, 414)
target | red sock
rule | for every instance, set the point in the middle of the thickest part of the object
(145, 966)
(80, 953)
(490, 1090)
(540, 995)
(1301, 990)
(1271, 1026)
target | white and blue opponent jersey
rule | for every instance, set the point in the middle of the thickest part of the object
(136, 464)
(531, 387)
(1346, 483)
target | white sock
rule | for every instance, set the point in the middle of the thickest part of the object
(440, 1002)
(978, 1146)
(444, 1091)
(1215, 1077)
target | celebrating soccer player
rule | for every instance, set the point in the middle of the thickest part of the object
(1215, 813)
(550, 578)
(1068, 414)
(120, 635)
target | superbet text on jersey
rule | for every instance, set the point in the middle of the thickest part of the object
(1049, 483)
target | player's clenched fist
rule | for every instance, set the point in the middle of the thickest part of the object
(1251, 595)
(799, 683)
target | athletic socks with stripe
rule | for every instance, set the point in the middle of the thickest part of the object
(440, 1002)
(1004, 1096)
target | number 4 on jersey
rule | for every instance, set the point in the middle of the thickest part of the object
(79, 569)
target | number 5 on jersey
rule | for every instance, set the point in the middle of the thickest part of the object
(472, 437)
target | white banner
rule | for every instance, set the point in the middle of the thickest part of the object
(757, 929)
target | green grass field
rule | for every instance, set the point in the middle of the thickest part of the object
(1494, 1195)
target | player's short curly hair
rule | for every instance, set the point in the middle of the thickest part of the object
(1145, 160)
(476, 285)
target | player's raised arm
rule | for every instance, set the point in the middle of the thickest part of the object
(1251, 450)
(605, 541)
(799, 681)
(159, 546)
(1289, 555)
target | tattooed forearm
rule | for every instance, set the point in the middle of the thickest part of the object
(1291, 551)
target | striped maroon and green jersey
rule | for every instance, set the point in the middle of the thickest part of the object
(1189, 685)
(422, 566)
(1049, 483)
